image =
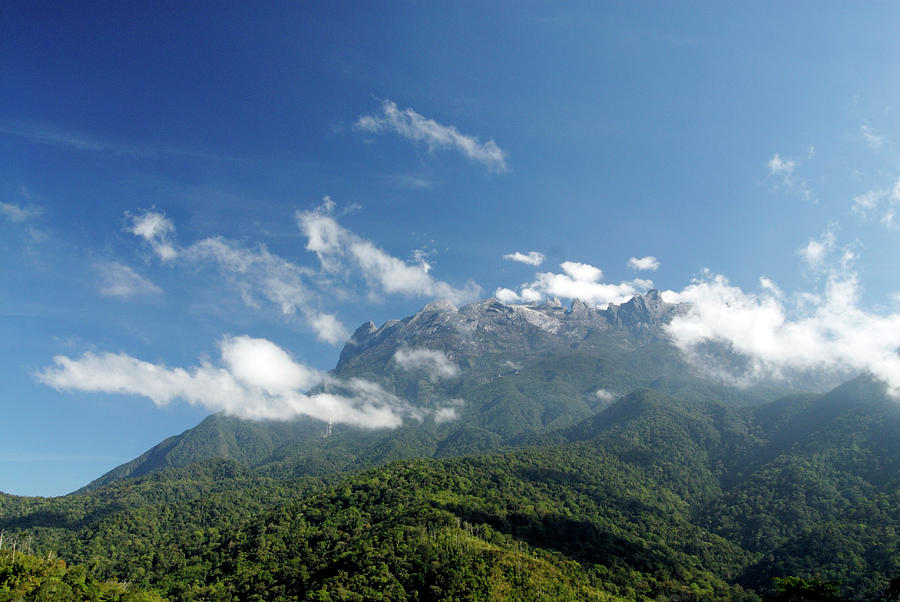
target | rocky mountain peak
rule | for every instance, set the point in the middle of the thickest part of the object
(489, 324)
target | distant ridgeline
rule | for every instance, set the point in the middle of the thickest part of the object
(584, 462)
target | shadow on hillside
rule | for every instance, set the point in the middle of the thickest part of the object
(580, 540)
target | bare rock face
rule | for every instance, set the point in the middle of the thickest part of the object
(643, 314)
(490, 326)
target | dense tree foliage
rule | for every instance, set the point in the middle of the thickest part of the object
(27, 577)
(654, 497)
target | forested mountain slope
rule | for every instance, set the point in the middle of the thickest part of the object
(512, 372)
(654, 496)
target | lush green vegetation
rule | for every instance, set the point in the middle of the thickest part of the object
(652, 498)
(27, 577)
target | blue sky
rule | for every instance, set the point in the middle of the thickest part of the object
(193, 193)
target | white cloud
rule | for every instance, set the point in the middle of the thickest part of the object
(156, 229)
(882, 200)
(445, 415)
(578, 281)
(530, 258)
(19, 213)
(258, 275)
(431, 361)
(815, 251)
(868, 200)
(779, 166)
(784, 169)
(417, 128)
(819, 333)
(255, 380)
(872, 138)
(119, 280)
(255, 271)
(648, 263)
(604, 395)
(342, 252)
(329, 329)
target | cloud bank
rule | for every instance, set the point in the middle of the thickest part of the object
(255, 379)
(777, 339)
(417, 128)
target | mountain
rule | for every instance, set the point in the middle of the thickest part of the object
(651, 497)
(586, 462)
(523, 369)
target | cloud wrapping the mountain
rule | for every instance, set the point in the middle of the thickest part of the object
(828, 332)
(256, 380)
(530, 258)
(417, 128)
(433, 362)
(342, 253)
(577, 281)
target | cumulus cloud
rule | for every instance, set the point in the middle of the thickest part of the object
(417, 128)
(19, 213)
(530, 258)
(341, 252)
(156, 229)
(119, 280)
(431, 361)
(773, 338)
(256, 379)
(648, 263)
(577, 281)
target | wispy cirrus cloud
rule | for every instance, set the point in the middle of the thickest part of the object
(119, 280)
(342, 254)
(530, 258)
(416, 128)
(55, 135)
(254, 379)
(872, 138)
(783, 170)
(881, 201)
(264, 279)
(19, 213)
